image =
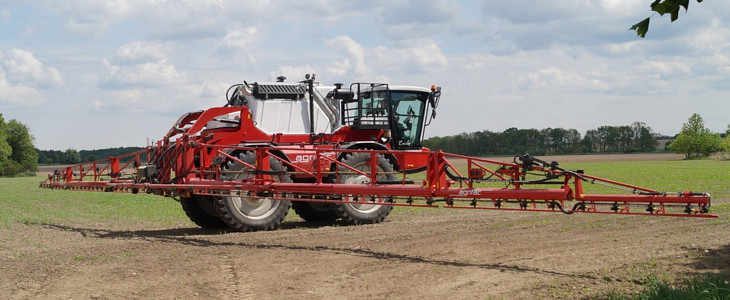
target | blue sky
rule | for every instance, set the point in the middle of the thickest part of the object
(96, 74)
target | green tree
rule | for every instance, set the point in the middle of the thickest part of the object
(21, 142)
(17, 153)
(6, 164)
(662, 7)
(697, 140)
(644, 138)
(71, 156)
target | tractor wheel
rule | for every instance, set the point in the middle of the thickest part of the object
(245, 213)
(201, 210)
(313, 211)
(363, 213)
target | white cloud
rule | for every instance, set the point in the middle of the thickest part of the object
(339, 69)
(30, 30)
(355, 54)
(422, 55)
(714, 37)
(21, 77)
(143, 75)
(164, 101)
(137, 51)
(240, 39)
(552, 78)
(326, 11)
(93, 18)
(381, 62)
(142, 65)
(659, 67)
(21, 67)
(4, 15)
(184, 20)
(406, 19)
(13, 95)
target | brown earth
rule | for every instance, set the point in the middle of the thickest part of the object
(439, 254)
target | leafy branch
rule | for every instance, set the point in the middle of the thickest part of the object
(662, 7)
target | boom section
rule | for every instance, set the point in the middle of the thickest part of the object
(442, 180)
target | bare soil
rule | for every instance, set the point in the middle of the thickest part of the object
(444, 254)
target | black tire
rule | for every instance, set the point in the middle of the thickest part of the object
(201, 210)
(363, 213)
(314, 212)
(251, 213)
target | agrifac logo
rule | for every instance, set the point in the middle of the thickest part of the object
(469, 192)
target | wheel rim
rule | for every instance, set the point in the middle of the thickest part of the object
(362, 179)
(255, 208)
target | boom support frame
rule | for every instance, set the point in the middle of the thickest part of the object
(526, 184)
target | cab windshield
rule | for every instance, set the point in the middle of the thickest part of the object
(407, 122)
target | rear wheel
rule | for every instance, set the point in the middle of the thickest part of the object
(363, 213)
(201, 210)
(249, 213)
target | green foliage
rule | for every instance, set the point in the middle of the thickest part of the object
(16, 149)
(5, 149)
(697, 140)
(636, 137)
(641, 28)
(22, 143)
(707, 286)
(662, 7)
(71, 156)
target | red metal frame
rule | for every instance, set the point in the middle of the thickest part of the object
(433, 188)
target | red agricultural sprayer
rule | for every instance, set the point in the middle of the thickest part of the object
(348, 153)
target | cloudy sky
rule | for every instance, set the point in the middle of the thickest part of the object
(94, 74)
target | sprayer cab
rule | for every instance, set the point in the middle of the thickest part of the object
(402, 111)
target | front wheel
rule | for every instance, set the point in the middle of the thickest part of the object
(363, 213)
(251, 212)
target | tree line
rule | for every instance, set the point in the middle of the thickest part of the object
(73, 156)
(637, 137)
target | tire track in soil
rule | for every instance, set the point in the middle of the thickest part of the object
(234, 285)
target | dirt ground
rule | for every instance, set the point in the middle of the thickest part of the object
(447, 254)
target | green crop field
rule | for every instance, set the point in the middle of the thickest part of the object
(23, 201)
(709, 176)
